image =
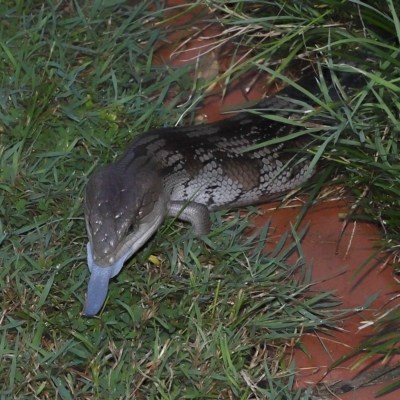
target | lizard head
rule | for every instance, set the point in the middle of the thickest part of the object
(122, 210)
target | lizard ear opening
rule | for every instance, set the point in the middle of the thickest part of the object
(131, 229)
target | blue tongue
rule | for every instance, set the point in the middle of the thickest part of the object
(98, 283)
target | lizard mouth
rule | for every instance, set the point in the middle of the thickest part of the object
(101, 274)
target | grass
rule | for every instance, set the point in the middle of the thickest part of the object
(185, 318)
(361, 148)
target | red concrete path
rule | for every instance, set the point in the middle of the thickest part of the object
(333, 270)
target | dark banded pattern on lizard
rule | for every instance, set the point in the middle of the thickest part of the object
(186, 172)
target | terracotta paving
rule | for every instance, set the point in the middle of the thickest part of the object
(332, 271)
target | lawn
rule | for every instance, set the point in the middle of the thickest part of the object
(186, 318)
